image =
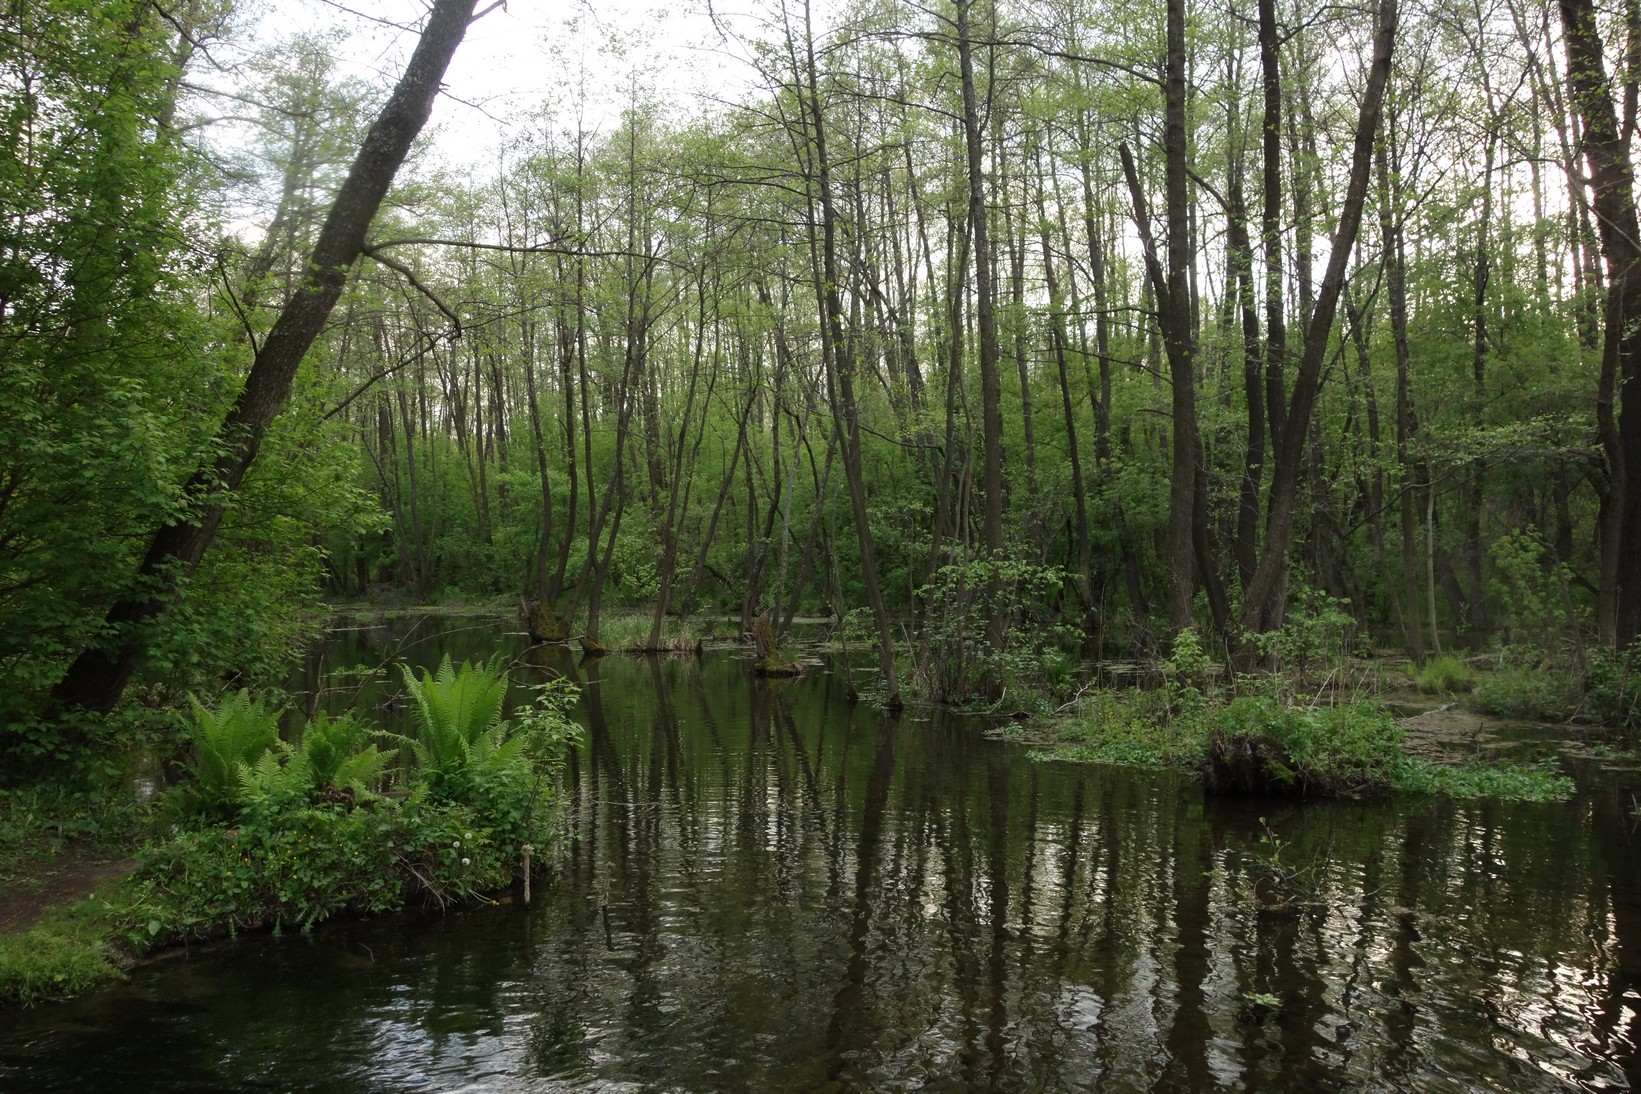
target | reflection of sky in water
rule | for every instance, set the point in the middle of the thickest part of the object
(769, 889)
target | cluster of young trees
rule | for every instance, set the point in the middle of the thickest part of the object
(982, 319)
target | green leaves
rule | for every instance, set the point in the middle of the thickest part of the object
(458, 716)
(227, 740)
(301, 847)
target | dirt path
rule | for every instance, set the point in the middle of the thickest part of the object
(38, 884)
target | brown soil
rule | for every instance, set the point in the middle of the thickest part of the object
(36, 884)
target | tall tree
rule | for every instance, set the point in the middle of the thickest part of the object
(1261, 598)
(98, 675)
(1607, 152)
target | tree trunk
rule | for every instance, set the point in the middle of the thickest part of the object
(1611, 175)
(991, 390)
(839, 357)
(1260, 598)
(98, 675)
(1172, 292)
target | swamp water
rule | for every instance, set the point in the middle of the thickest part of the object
(766, 888)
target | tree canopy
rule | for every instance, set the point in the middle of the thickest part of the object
(992, 328)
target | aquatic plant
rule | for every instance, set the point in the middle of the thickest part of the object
(1444, 675)
(627, 633)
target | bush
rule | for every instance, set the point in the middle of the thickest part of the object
(299, 865)
(1612, 688)
(1262, 745)
(956, 659)
(1519, 692)
(1445, 675)
(1135, 729)
(314, 834)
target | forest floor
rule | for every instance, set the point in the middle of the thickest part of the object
(30, 884)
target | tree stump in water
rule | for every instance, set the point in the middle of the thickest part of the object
(1247, 763)
(542, 622)
(1243, 764)
(772, 660)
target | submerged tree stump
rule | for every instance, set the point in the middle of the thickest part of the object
(1242, 764)
(543, 622)
(772, 660)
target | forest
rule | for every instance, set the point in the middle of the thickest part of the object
(1001, 332)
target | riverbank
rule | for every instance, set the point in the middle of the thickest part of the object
(1277, 742)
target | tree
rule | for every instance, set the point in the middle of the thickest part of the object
(1260, 598)
(1612, 197)
(97, 677)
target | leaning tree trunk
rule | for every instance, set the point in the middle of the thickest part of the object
(98, 675)
(1262, 593)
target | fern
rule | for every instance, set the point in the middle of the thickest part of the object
(336, 754)
(237, 733)
(458, 711)
(280, 777)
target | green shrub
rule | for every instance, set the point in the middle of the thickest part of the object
(1445, 675)
(956, 660)
(1262, 744)
(1345, 749)
(1317, 632)
(296, 866)
(312, 838)
(1135, 729)
(1612, 688)
(1520, 692)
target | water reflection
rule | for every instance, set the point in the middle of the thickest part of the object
(766, 888)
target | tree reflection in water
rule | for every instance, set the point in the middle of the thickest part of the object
(767, 888)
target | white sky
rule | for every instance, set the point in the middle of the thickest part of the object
(568, 54)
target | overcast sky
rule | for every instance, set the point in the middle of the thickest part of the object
(515, 59)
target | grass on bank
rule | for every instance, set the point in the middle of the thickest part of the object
(67, 951)
(1266, 744)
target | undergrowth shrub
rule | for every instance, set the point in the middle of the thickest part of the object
(294, 833)
(1261, 744)
(1612, 687)
(1519, 691)
(957, 660)
(1133, 728)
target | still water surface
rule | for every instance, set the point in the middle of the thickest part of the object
(766, 888)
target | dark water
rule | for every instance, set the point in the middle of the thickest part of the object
(765, 888)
